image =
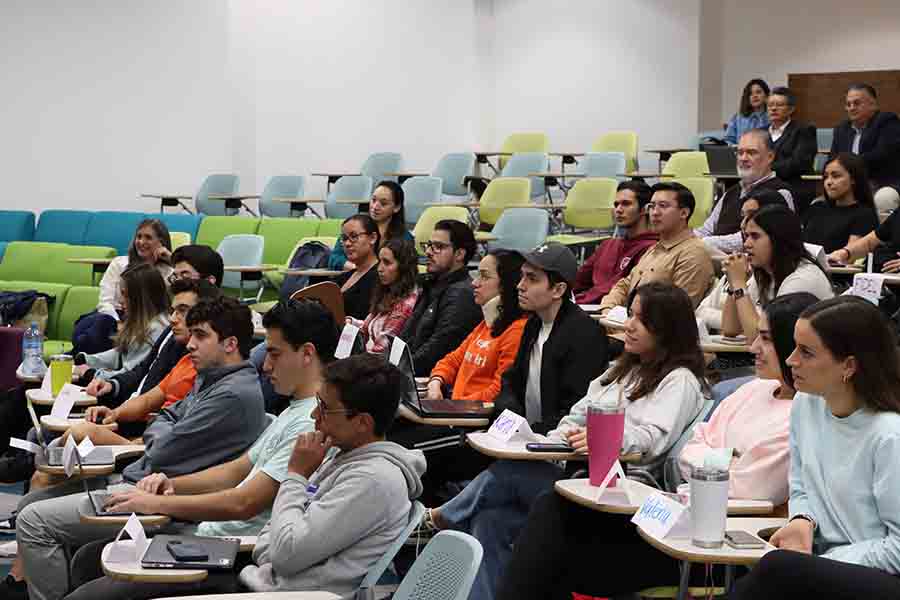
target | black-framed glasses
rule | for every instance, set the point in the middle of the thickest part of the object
(324, 410)
(352, 237)
(435, 246)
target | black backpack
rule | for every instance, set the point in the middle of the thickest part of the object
(311, 255)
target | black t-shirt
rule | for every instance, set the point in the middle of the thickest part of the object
(358, 297)
(889, 234)
(831, 226)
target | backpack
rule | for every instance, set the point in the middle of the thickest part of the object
(19, 309)
(311, 255)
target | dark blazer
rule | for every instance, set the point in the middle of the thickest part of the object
(795, 152)
(879, 147)
(164, 355)
(575, 353)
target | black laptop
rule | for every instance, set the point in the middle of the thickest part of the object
(100, 455)
(190, 552)
(437, 409)
(722, 160)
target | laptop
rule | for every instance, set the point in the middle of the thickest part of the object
(437, 409)
(101, 455)
(722, 160)
(98, 498)
(220, 552)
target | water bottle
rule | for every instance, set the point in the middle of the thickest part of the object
(33, 351)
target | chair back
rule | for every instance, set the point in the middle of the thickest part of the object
(589, 204)
(445, 570)
(603, 164)
(523, 164)
(824, 138)
(704, 137)
(16, 225)
(416, 512)
(521, 229)
(671, 471)
(523, 142)
(329, 294)
(687, 164)
(417, 192)
(349, 187)
(216, 185)
(179, 238)
(453, 169)
(501, 192)
(430, 217)
(625, 142)
(702, 188)
(380, 163)
(280, 186)
(241, 250)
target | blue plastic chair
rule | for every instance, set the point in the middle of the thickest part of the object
(824, 138)
(521, 229)
(16, 225)
(349, 187)
(63, 226)
(417, 192)
(380, 163)
(603, 164)
(671, 471)
(241, 250)
(113, 228)
(186, 223)
(523, 163)
(445, 570)
(280, 186)
(216, 185)
(453, 169)
(376, 571)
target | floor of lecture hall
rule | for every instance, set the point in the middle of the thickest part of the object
(9, 498)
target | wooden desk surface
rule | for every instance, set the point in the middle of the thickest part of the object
(462, 204)
(351, 201)
(90, 261)
(51, 423)
(410, 415)
(313, 272)
(669, 150)
(811, 177)
(845, 269)
(485, 236)
(492, 154)
(284, 200)
(683, 549)
(547, 206)
(134, 572)
(643, 174)
(484, 443)
(722, 175)
(406, 174)
(119, 452)
(146, 520)
(250, 269)
(566, 153)
(557, 174)
(337, 174)
(717, 345)
(39, 398)
(176, 196)
(233, 196)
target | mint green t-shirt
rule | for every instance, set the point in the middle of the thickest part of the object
(269, 454)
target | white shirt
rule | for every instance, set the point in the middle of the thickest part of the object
(533, 411)
(776, 132)
(856, 139)
(807, 277)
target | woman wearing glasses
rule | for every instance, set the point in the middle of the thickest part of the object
(360, 240)
(386, 209)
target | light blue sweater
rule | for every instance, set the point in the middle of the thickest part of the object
(739, 124)
(844, 474)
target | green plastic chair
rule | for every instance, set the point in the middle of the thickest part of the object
(625, 142)
(214, 229)
(702, 188)
(179, 238)
(500, 193)
(282, 235)
(589, 207)
(433, 214)
(330, 227)
(524, 142)
(48, 262)
(687, 164)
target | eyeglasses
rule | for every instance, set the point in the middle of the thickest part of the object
(180, 311)
(352, 237)
(435, 246)
(175, 276)
(323, 410)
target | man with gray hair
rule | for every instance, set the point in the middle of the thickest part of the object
(755, 153)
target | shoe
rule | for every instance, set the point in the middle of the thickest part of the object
(422, 534)
(10, 589)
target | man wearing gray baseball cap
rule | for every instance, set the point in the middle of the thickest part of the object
(562, 348)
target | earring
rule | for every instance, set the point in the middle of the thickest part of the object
(845, 378)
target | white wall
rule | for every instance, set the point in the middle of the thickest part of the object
(771, 38)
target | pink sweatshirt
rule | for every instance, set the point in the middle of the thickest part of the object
(757, 426)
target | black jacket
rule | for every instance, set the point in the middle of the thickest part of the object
(164, 355)
(574, 354)
(795, 152)
(445, 313)
(879, 147)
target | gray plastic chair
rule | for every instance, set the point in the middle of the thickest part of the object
(241, 250)
(453, 169)
(603, 164)
(216, 185)
(280, 186)
(349, 187)
(521, 229)
(373, 576)
(380, 163)
(523, 163)
(445, 570)
(417, 192)
(824, 137)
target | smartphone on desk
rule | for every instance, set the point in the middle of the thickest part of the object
(548, 447)
(186, 551)
(741, 540)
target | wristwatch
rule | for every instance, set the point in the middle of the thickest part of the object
(806, 517)
(736, 294)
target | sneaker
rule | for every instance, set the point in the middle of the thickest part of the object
(426, 530)
(10, 589)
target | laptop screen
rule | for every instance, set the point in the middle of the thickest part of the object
(405, 364)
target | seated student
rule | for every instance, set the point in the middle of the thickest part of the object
(883, 243)
(795, 146)
(678, 257)
(445, 311)
(752, 112)
(755, 154)
(194, 261)
(473, 370)
(145, 303)
(847, 212)
(710, 309)
(394, 296)
(615, 257)
(235, 498)
(151, 245)
(775, 263)
(218, 421)
(845, 486)
(754, 420)
(360, 240)
(386, 208)
(874, 135)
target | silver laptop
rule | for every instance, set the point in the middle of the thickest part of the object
(53, 455)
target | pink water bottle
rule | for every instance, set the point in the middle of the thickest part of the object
(605, 428)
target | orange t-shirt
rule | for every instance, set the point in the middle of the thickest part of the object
(179, 381)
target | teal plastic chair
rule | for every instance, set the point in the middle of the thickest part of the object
(349, 187)
(380, 163)
(16, 225)
(63, 226)
(417, 192)
(241, 250)
(280, 186)
(520, 229)
(824, 137)
(603, 164)
(445, 570)
(113, 228)
(216, 185)
(523, 163)
(453, 169)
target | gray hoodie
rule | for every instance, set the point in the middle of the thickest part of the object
(327, 531)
